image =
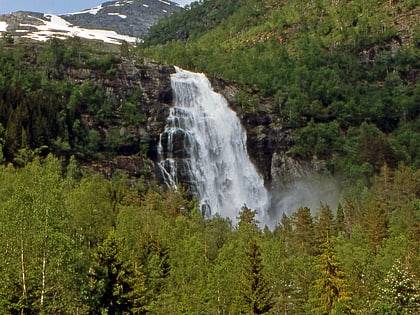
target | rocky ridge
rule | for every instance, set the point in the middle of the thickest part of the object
(113, 21)
(129, 17)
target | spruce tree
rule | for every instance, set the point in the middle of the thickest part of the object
(325, 225)
(340, 220)
(304, 230)
(330, 293)
(115, 288)
(255, 291)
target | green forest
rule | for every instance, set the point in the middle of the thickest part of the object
(342, 76)
(42, 108)
(77, 243)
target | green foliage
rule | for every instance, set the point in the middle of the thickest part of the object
(103, 63)
(73, 242)
(2, 131)
(399, 293)
(8, 38)
(194, 21)
(320, 140)
(255, 290)
(34, 239)
(41, 109)
(131, 110)
(81, 243)
(336, 70)
(330, 294)
(114, 287)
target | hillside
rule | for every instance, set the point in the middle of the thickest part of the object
(87, 226)
(73, 98)
(341, 76)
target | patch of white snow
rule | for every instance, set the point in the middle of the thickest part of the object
(59, 27)
(3, 26)
(93, 11)
(165, 2)
(145, 5)
(123, 16)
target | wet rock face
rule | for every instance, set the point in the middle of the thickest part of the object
(180, 143)
(267, 142)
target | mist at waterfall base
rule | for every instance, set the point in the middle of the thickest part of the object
(312, 191)
(203, 148)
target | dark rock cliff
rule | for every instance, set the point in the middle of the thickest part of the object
(267, 141)
(153, 82)
(133, 18)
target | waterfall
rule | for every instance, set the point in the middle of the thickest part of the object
(203, 147)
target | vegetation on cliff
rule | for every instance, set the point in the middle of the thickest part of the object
(341, 75)
(73, 98)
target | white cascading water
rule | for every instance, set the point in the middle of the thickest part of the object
(219, 169)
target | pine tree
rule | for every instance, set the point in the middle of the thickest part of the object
(247, 223)
(324, 227)
(304, 230)
(255, 292)
(330, 293)
(376, 223)
(115, 288)
(358, 262)
(340, 222)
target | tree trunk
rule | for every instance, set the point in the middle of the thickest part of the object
(44, 258)
(22, 260)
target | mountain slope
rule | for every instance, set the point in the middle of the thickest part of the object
(131, 17)
(112, 22)
(340, 77)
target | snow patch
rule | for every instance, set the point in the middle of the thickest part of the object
(165, 2)
(121, 3)
(3, 26)
(93, 11)
(123, 16)
(145, 5)
(59, 27)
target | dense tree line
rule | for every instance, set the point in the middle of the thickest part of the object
(75, 243)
